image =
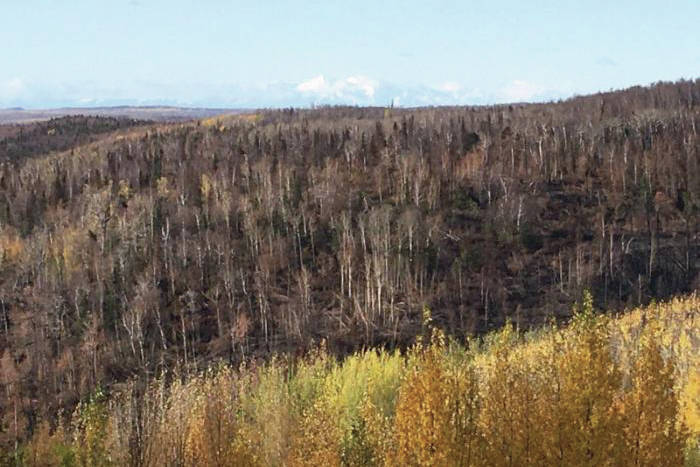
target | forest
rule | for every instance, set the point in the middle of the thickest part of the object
(238, 248)
(621, 391)
(21, 141)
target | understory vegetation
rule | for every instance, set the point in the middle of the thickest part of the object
(597, 391)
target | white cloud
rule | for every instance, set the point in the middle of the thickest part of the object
(449, 86)
(362, 83)
(353, 88)
(316, 84)
(521, 91)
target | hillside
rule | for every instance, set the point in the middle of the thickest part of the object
(152, 113)
(599, 391)
(19, 142)
(167, 247)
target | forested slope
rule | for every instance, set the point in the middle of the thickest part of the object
(21, 141)
(173, 246)
(598, 391)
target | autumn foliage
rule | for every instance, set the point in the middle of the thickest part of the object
(598, 391)
(136, 257)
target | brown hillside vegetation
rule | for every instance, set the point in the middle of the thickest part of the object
(18, 142)
(161, 249)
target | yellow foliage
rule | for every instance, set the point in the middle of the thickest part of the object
(589, 380)
(650, 407)
(211, 122)
(47, 448)
(266, 413)
(162, 187)
(599, 391)
(508, 419)
(11, 246)
(316, 441)
(435, 420)
(125, 192)
(690, 401)
(90, 423)
(74, 249)
(205, 187)
(213, 427)
(220, 122)
(422, 416)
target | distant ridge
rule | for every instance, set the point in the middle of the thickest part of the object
(155, 113)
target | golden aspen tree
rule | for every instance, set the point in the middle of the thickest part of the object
(317, 439)
(423, 414)
(551, 419)
(508, 406)
(315, 434)
(690, 407)
(372, 438)
(653, 435)
(90, 424)
(464, 405)
(589, 379)
(364, 392)
(213, 422)
(265, 407)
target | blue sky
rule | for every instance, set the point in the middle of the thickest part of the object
(282, 53)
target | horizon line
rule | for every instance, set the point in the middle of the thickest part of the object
(315, 105)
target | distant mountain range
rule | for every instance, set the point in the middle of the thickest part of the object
(315, 90)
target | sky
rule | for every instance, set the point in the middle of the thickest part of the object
(245, 54)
